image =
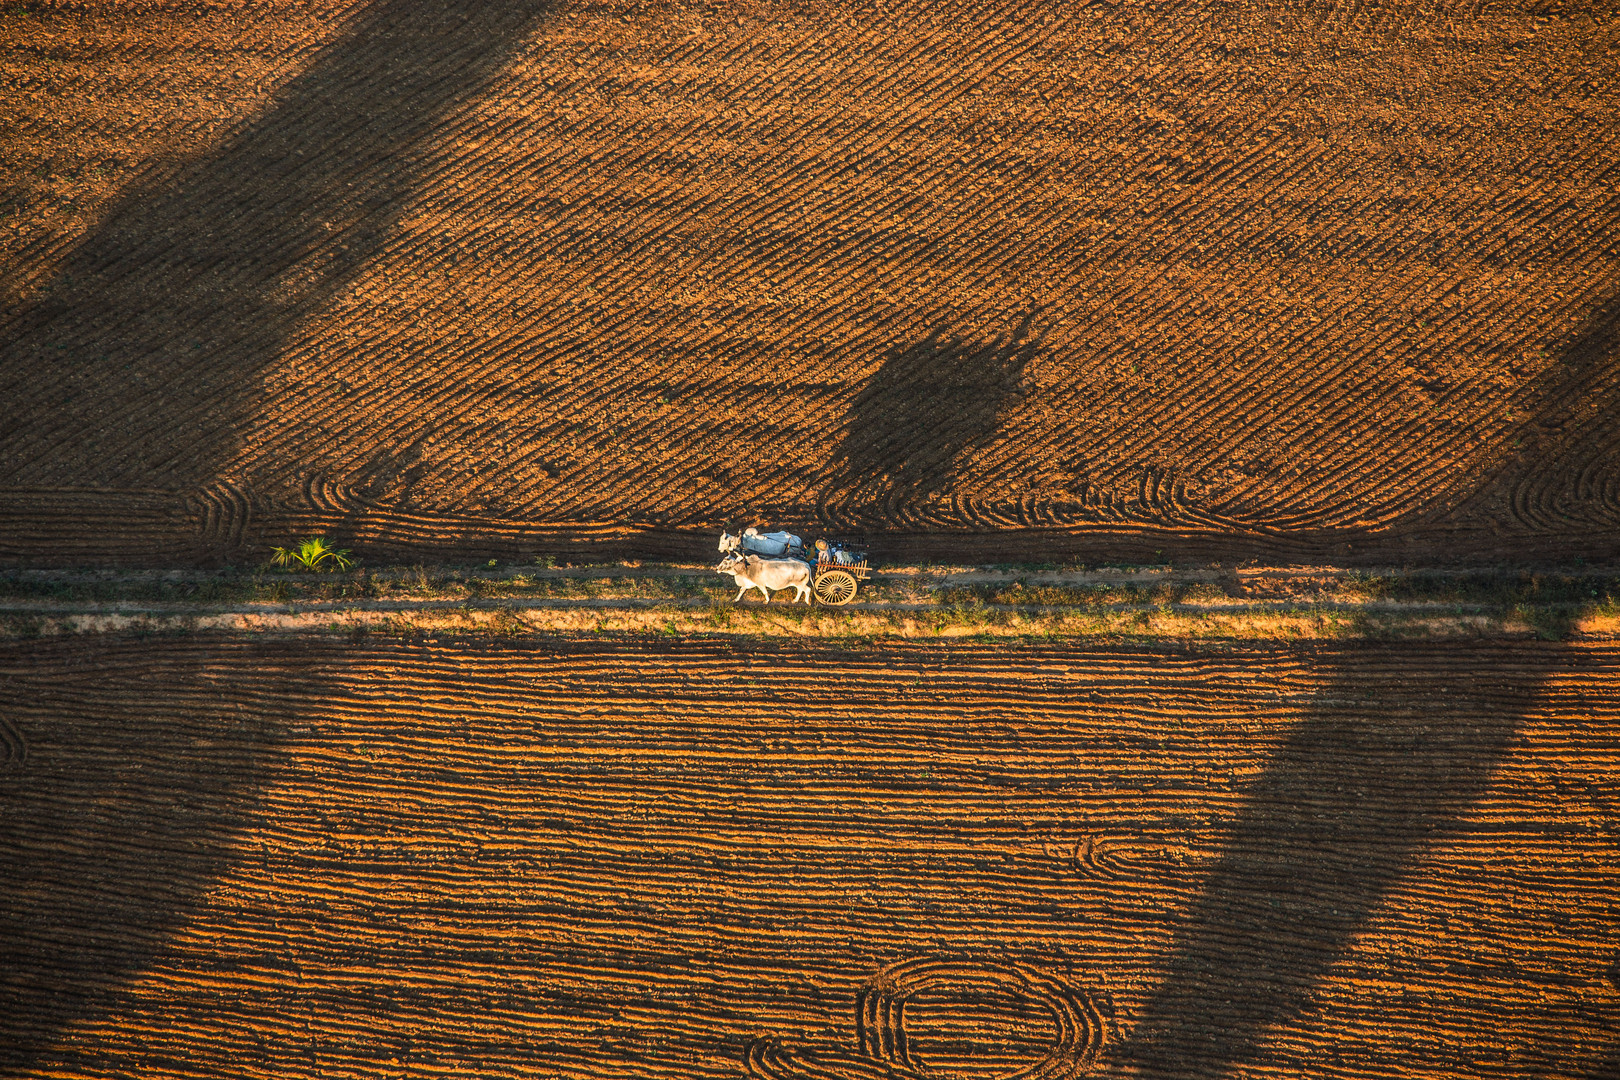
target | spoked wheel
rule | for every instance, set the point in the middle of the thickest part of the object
(835, 587)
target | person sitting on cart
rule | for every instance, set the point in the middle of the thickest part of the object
(833, 553)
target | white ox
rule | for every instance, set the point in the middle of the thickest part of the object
(754, 542)
(753, 572)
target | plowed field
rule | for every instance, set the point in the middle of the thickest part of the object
(593, 858)
(1258, 277)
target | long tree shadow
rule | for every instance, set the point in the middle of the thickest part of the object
(1561, 477)
(141, 363)
(163, 322)
(121, 808)
(1398, 745)
(1551, 492)
(928, 403)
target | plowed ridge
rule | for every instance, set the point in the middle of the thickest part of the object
(591, 858)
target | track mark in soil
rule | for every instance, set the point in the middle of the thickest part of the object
(328, 496)
(963, 1000)
(1116, 858)
(85, 526)
(13, 746)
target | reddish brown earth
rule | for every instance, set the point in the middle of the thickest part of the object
(570, 857)
(1329, 280)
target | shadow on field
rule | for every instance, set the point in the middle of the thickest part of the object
(1396, 748)
(1551, 492)
(927, 404)
(162, 323)
(1561, 475)
(122, 812)
(1608, 1068)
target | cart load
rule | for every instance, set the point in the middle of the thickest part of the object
(774, 545)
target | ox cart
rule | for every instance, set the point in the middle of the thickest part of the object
(831, 569)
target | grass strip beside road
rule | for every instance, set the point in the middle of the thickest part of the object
(1106, 603)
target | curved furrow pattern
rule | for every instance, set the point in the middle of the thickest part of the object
(225, 510)
(13, 746)
(1117, 859)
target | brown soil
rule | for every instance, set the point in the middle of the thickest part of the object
(1217, 281)
(590, 858)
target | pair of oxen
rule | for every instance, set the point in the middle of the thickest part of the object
(768, 562)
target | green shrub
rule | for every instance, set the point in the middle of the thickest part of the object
(312, 553)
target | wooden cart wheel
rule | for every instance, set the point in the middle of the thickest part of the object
(835, 586)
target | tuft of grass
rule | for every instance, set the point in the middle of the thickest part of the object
(312, 553)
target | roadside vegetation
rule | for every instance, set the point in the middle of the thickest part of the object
(315, 554)
(1123, 602)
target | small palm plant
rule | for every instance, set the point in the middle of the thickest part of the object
(313, 553)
